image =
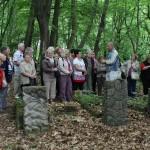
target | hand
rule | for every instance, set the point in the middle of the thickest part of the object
(32, 76)
(55, 69)
(103, 61)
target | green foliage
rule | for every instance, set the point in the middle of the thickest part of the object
(140, 103)
(90, 102)
(128, 36)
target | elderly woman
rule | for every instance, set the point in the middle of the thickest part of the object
(30, 51)
(132, 68)
(28, 72)
(65, 83)
(49, 68)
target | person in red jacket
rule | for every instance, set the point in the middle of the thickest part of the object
(145, 75)
(2, 84)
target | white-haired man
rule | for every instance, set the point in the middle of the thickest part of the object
(17, 59)
(112, 61)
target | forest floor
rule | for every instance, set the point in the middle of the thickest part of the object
(77, 130)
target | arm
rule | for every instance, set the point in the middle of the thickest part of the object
(15, 59)
(61, 67)
(112, 59)
(143, 67)
(47, 67)
(22, 70)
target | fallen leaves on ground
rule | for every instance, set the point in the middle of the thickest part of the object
(77, 131)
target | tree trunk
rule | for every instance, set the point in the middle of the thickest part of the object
(42, 13)
(73, 23)
(89, 26)
(101, 26)
(54, 31)
(4, 24)
(30, 27)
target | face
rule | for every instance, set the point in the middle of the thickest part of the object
(27, 58)
(89, 55)
(79, 55)
(22, 48)
(109, 47)
(67, 54)
(72, 55)
(49, 54)
(31, 54)
(93, 55)
(62, 53)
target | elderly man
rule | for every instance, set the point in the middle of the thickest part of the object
(17, 59)
(113, 64)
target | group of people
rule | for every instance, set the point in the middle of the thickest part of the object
(66, 71)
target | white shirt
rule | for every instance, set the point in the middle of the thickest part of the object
(80, 63)
(18, 57)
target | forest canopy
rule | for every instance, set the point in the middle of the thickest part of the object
(84, 24)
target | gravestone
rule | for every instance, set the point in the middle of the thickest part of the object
(115, 103)
(35, 109)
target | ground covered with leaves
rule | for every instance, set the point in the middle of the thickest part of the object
(73, 128)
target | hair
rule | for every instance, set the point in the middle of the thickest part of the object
(76, 52)
(29, 49)
(50, 49)
(57, 49)
(20, 45)
(4, 49)
(111, 43)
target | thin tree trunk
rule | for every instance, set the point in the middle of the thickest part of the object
(138, 24)
(73, 23)
(4, 26)
(101, 26)
(89, 26)
(54, 31)
(30, 27)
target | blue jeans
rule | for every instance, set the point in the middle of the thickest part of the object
(131, 87)
(3, 102)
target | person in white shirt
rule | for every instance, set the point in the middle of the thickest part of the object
(79, 71)
(17, 59)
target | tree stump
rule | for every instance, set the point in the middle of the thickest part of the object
(35, 109)
(115, 103)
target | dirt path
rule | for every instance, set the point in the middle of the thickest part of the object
(77, 131)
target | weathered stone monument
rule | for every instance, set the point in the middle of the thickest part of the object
(115, 103)
(35, 113)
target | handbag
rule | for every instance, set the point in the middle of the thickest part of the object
(79, 77)
(135, 75)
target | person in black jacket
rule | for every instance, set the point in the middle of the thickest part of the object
(145, 75)
(7, 64)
